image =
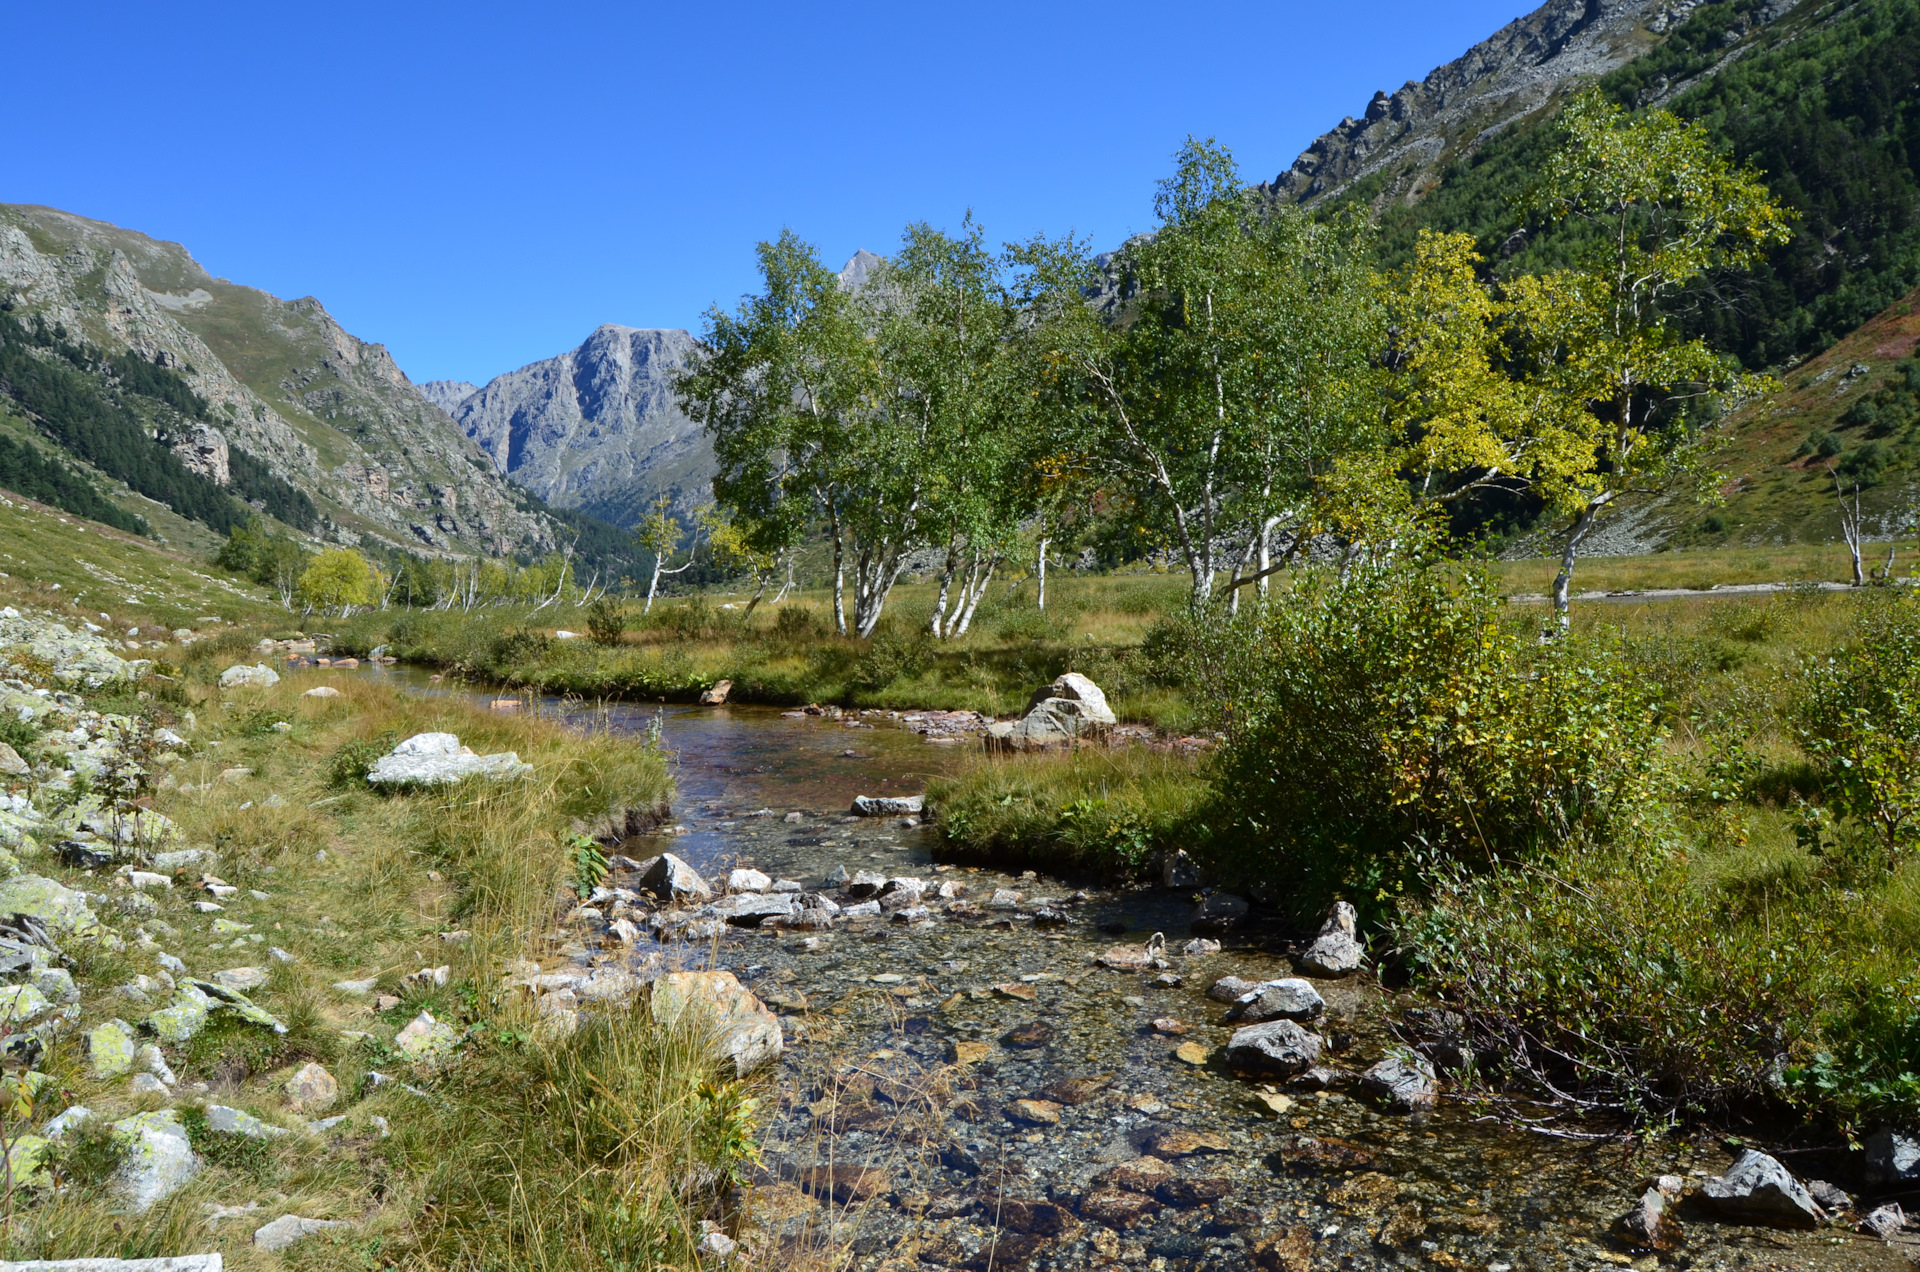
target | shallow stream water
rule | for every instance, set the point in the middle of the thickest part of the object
(894, 1127)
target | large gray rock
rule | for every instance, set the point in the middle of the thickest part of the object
(672, 879)
(1059, 714)
(1758, 1189)
(1336, 951)
(1287, 999)
(749, 909)
(1893, 1157)
(157, 1159)
(241, 676)
(741, 1027)
(1277, 1048)
(57, 910)
(438, 759)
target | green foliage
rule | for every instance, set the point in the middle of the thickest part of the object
(1862, 724)
(590, 865)
(1386, 714)
(245, 1153)
(893, 657)
(349, 764)
(26, 471)
(337, 581)
(606, 621)
(251, 480)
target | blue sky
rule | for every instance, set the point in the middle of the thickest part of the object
(479, 185)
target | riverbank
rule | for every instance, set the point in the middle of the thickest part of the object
(255, 987)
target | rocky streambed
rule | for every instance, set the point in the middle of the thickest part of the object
(989, 1071)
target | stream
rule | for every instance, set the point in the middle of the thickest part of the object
(893, 1124)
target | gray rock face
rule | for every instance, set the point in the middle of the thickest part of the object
(597, 427)
(1405, 1083)
(1518, 69)
(1288, 999)
(1893, 1157)
(1758, 1189)
(1278, 1048)
(447, 394)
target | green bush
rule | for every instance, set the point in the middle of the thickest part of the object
(1861, 724)
(1387, 714)
(606, 621)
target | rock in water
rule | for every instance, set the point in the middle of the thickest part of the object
(1651, 1223)
(258, 676)
(672, 879)
(158, 1160)
(1405, 1082)
(1218, 912)
(887, 805)
(742, 1026)
(717, 695)
(1279, 1048)
(1336, 951)
(1288, 999)
(1758, 1189)
(1229, 988)
(1180, 871)
(438, 759)
(745, 880)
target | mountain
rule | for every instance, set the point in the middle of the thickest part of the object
(598, 428)
(250, 387)
(447, 394)
(1402, 140)
(1823, 99)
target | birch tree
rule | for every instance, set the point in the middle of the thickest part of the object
(789, 388)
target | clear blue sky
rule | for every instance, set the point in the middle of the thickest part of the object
(480, 185)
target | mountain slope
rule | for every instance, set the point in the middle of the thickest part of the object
(596, 428)
(284, 383)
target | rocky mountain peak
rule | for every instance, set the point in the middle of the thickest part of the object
(1526, 65)
(447, 394)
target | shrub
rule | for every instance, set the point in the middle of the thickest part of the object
(606, 621)
(893, 657)
(1861, 724)
(1390, 711)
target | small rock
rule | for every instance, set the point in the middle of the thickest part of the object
(1193, 1053)
(242, 978)
(717, 695)
(358, 988)
(1168, 1025)
(866, 883)
(1035, 1033)
(1180, 1141)
(1651, 1223)
(428, 977)
(887, 805)
(1831, 1197)
(1230, 989)
(312, 1089)
(58, 1126)
(111, 1049)
(289, 1229)
(1893, 1157)
(1758, 1189)
(1218, 912)
(1034, 1112)
(1404, 1081)
(426, 1040)
(715, 1245)
(672, 879)
(1200, 945)
(321, 691)
(1180, 871)
(744, 880)
(1886, 1222)
(150, 1059)
(258, 676)
(230, 1121)
(147, 1084)
(747, 1032)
